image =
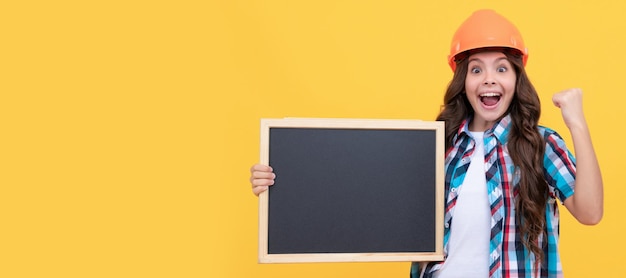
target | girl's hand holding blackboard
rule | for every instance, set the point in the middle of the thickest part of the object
(261, 178)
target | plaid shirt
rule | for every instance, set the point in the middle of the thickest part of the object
(507, 255)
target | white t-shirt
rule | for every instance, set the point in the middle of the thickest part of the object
(468, 244)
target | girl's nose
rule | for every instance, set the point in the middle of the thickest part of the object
(489, 79)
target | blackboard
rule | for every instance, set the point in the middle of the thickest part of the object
(350, 190)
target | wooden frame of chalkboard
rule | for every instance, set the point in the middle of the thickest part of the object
(352, 190)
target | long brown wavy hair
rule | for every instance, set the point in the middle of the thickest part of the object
(526, 146)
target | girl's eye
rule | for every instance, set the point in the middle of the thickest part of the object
(475, 70)
(502, 69)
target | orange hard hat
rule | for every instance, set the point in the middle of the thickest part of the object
(486, 28)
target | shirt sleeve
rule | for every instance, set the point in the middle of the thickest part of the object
(559, 166)
(415, 270)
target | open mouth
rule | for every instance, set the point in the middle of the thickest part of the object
(490, 99)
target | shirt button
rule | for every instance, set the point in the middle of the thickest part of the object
(453, 189)
(447, 225)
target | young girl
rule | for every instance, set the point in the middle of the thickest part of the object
(503, 172)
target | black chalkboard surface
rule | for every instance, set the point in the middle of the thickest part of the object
(352, 190)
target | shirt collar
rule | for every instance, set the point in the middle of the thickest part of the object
(500, 130)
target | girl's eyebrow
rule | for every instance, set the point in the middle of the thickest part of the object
(502, 58)
(481, 61)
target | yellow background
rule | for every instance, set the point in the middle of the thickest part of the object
(127, 127)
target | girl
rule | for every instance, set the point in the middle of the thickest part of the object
(503, 172)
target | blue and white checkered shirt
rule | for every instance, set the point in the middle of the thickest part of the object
(508, 257)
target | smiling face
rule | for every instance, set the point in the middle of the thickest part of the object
(489, 86)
